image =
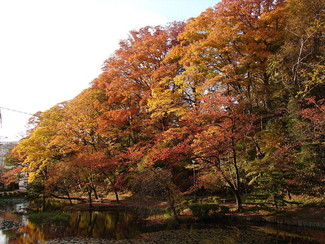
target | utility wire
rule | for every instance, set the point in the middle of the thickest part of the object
(13, 110)
(17, 111)
(22, 112)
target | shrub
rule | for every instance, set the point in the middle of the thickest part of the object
(204, 210)
(224, 209)
(210, 200)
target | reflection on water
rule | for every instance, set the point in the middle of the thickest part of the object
(106, 225)
(112, 225)
(123, 225)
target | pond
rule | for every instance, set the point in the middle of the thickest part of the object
(119, 225)
(103, 225)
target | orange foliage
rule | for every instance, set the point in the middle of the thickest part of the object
(12, 176)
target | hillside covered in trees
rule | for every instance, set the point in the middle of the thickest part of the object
(232, 100)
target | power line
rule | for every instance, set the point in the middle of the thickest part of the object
(16, 111)
(36, 115)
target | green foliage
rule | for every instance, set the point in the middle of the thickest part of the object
(224, 209)
(56, 218)
(35, 190)
(309, 201)
(210, 200)
(203, 211)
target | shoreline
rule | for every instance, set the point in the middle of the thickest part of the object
(253, 221)
(309, 217)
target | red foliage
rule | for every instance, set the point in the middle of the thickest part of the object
(12, 176)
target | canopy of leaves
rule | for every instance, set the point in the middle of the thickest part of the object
(238, 90)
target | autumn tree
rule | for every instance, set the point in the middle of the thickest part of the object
(62, 182)
(220, 66)
(129, 77)
(12, 170)
(229, 45)
(238, 91)
(299, 62)
(299, 66)
(37, 152)
(157, 183)
(307, 131)
(78, 139)
(226, 140)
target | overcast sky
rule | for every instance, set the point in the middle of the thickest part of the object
(50, 50)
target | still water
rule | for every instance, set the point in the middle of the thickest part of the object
(125, 225)
(105, 225)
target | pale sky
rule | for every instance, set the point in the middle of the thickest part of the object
(50, 50)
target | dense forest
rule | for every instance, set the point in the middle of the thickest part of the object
(230, 102)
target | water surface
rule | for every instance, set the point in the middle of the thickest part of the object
(127, 225)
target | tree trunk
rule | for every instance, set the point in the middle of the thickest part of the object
(175, 213)
(68, 195)
(95, 192)
(235, 189)
(90, 201)
(236, 186)
(116, 196)
(71, 198)
(172, 206)
(171, 202)
(44, 202)
(289, 194)
(238, 201)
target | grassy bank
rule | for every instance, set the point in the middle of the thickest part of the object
(56, 217)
